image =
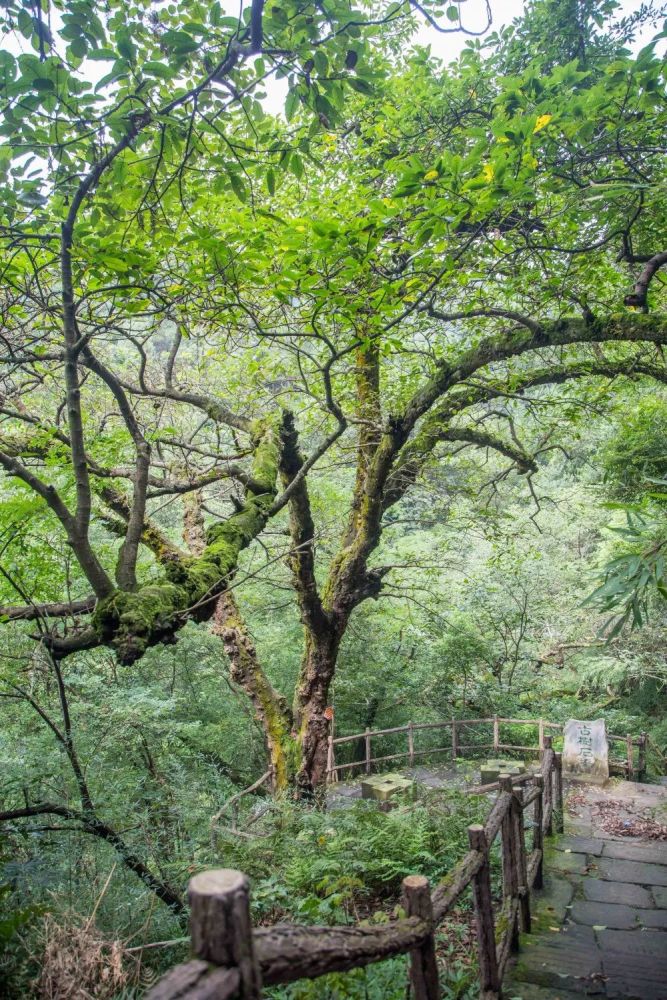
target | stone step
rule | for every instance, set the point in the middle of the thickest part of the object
(660, 896)
(598, 891)
(528, 991)
(569, 960)
(639, 872)
(582, 845)
(615, 915)
(627, 851)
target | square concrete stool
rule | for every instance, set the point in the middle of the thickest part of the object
(383, 786)
(491, 769)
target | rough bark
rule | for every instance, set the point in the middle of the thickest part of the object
(271, 709)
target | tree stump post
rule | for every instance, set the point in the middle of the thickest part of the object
(496, 733)
(630, 756)
(367, 736)
(509, 860)
(423, 964)
(521, 864)
(411, 743)
(538, 833)
(455, 742)
(558, 794)
(489, 977)
(220, 925)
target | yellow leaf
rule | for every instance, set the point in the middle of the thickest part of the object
(432, 175)
(541, 122)
(488, 172)
(502, 138)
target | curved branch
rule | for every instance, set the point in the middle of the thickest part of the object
(31, 612)
(90, 564)
(94, 826)
(638, 299)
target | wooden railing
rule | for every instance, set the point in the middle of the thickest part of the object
(235, 959)
(626, 761)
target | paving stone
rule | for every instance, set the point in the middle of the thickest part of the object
(606, 915)
(634, 964)
(554, 899)
(660, 896)
(584, 845)
(654, 918)
(561, 862)
(528, 991)
(631, 871)
(639, 979)
(569, 960)
(653, 853)
(599, 891)
(639, 945)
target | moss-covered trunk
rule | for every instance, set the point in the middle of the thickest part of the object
(311, 720)
(271, 708)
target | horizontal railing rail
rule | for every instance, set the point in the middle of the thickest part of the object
(628, 763)
(234, 959)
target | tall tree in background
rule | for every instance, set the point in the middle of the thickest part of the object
(228, 298)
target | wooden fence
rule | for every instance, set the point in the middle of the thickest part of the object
(629, 760)
(235, 959)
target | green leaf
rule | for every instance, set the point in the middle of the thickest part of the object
(157, 69)
(360, 85)
(238, 187)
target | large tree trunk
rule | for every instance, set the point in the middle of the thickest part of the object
(271, 709)
(311, 720)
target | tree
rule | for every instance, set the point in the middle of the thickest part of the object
(382, 284)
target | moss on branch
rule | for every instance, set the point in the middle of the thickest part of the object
(131, 622)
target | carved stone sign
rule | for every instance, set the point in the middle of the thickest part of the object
(586, 751)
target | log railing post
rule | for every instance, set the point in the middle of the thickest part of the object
(496, 733)
(558, 792)
(367, 736)
(549, 788)
(423, 964)
(641, 764)
(508, 841)
(538, 833)
(540, 736)
(455, 742)
(486, 937)
(411, 743)
(630, 756)
(521, 864)
(220, 925)
(331, 765)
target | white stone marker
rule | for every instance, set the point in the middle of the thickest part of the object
(586, 751)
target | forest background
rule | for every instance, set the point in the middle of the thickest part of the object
(349, 411)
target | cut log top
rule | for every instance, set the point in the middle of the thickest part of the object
(218, 882)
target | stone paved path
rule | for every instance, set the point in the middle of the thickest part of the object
(600, 926)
